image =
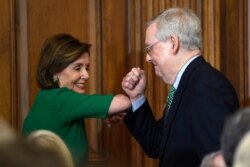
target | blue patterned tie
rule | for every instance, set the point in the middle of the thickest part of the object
(170, 97)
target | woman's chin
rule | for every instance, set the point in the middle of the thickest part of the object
(81, 91)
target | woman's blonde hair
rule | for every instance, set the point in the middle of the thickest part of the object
(7, 134)
(51, 141)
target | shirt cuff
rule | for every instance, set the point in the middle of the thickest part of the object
(138, 103)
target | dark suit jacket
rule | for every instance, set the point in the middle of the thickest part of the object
(194, 123)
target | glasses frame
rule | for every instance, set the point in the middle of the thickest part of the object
(150, 48)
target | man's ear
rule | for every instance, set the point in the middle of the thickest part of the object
(175, 42)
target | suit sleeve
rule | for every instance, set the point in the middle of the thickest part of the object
(145, 129)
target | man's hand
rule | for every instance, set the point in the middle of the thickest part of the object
(134, 83)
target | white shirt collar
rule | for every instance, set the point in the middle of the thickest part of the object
(183, 68)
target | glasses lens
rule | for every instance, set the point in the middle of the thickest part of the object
(148, 50)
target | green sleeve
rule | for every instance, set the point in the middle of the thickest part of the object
(71, 105)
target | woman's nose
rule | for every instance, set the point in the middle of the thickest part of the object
(85, 74)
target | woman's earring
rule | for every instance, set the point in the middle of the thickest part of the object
(55, 79)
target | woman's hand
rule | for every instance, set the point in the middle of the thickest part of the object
(115, 118)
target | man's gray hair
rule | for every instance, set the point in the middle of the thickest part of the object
(183, 23)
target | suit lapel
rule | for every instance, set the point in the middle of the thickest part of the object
(178, 94)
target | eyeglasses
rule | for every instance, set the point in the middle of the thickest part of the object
(150, 48)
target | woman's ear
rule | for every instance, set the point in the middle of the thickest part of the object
(55, 78)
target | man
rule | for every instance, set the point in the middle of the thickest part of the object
(191, 126)
(236, 126)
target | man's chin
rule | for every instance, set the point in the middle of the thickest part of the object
(157, 73)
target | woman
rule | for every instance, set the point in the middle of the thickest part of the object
(62, 104)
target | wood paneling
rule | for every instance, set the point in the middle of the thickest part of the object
(8, 83)
(234, 60)
(52, 17)
(115, 60)
(116, 30)
(211, 31)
